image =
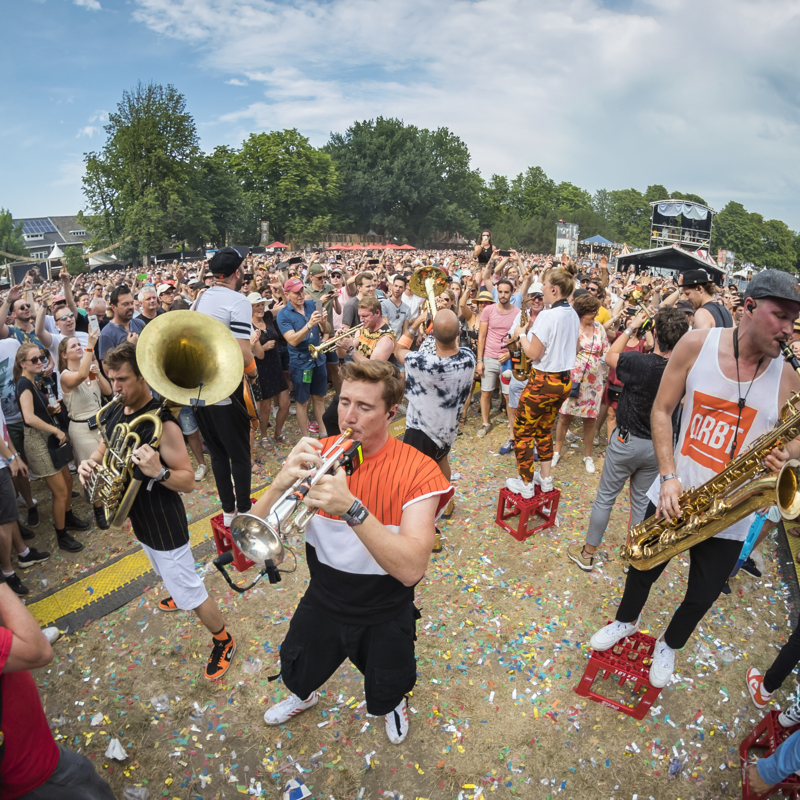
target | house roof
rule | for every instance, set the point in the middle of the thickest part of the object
(52, 230)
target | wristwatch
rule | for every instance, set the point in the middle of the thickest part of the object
(665, 478)
(356, 514)
(163, 475)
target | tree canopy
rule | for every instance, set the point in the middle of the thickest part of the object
(11, 240)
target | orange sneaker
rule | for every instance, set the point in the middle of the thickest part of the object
(168, 604)
(755, 684)
(221, 657)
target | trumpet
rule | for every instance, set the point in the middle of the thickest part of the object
(261, 540)
(315, 351)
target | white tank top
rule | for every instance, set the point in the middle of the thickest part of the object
(709, 420)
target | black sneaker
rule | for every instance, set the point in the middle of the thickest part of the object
(33, 517)
(75, 494)
(17, 586)
(72, 523)
(726, 589)
(26, 533)
(68, 543)
(100, 518)
(749, 566)
(33, 557)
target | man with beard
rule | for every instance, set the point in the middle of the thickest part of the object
(123, 327)
(225, 426)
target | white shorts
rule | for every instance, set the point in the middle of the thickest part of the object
(491, 374)
(176, 568)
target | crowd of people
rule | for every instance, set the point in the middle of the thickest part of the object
(683, 373)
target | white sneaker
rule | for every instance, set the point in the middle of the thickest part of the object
(556, 458)
(227, 518)
(546, 484)
(612, 633)
(663, 664)
(200, 472)
(589, 462)
(52, 634)
(484, 429)
(518, 486)
(397, 723)
(288, 708)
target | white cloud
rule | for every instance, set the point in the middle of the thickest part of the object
(236, 82)
(89, 131)
(89, 5)
(99, 116)
(70, 173)
(598, 93)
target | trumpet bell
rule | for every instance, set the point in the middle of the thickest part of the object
(257, 540)
(419, 280)
(186, 355)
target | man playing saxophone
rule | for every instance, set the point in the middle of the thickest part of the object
(157, 514)
(735, 383)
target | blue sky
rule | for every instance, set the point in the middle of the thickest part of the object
(700, 97)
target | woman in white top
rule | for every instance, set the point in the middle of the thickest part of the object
(551, 346)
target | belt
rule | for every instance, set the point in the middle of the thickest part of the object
(82, 421)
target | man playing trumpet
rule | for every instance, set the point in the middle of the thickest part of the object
(367, 548)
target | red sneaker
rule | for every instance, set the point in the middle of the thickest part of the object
(755, 685)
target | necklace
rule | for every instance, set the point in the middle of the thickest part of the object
(742, 400)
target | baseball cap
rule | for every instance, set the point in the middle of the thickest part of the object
(59, 298)
(316, 269)
(225, 262)
(693, 277)
(163, 287)
(293, 285)
(196, 284)
(774, 283)
(255, 297)
(336, 272)
(536, 288)
(685, 306)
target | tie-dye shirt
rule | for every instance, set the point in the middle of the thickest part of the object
(436, 390)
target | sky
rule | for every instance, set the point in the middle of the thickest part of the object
(699, 97)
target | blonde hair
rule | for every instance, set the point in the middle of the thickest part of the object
(376, 372)
(563, 278)
(62, 352)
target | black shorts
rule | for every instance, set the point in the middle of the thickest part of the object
(422, 442)
(8, 498)
(317, 644)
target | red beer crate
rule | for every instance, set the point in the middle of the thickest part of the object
(535, 513)
(224, 542)
(763, 741)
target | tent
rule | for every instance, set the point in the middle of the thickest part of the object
(598, 240)
(669, 259)
(407, 247)
(276, 246)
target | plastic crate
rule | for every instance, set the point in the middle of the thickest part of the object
(535, 513)
(763, 741)
(628, 660)
(224, 542)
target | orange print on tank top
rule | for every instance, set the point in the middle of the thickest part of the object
(711, 429)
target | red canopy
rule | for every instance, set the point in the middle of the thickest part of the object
(276, 245)
(392, 247)
(406, 247)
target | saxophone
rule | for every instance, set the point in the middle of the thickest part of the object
(112, 481)
(519, 361)
(744, 486)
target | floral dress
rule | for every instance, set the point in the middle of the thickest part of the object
(590, 372)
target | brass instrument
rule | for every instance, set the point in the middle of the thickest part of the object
(744, 486)
(320, 350)
(189, 359)
(638, 299)
(519, 361)
(428, 282)
(258, 538)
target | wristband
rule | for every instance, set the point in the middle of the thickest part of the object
(629, 332)
(251, 368)
(12, 457)
(405, 340)
(88, 350)
(665, 478)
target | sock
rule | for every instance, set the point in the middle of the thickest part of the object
(221, 635)
(8, 574)
(61, 532)
(24, 553)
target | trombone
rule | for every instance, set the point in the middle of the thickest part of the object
(428, 282)
(315, 351)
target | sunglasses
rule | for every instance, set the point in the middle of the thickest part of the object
(24, 305)
(35, 360)
(65, 316)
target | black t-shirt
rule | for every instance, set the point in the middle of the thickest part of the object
(722, 317)
(641, 373)
(39, 400)
(158, 516)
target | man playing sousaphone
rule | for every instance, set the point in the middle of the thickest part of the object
(367, 548)
(157, 515)
(735, 384)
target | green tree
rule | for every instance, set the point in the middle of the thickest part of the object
(404, 181)
(533, 194)
(74, 261)
(570, 198)
(145, 183)
(232, 215)
(778, 245)
(630, 217)
(494, 201)
(692, 198)
(656, 192)
(11, 240)
(737, 229)
(603, 207)
(289, 183)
